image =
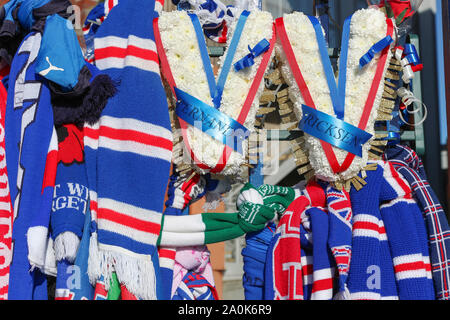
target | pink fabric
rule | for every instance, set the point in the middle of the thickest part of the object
(196, 259)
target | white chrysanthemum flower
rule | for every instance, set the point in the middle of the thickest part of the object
(368, 26)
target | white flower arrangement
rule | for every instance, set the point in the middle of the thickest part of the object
(180, 43)
(367, 27)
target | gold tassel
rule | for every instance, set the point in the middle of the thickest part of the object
(371, 167)
(275, 77)
(361, 180)
(284, 112)
(390, 84)
(376, 142)
(389, 90)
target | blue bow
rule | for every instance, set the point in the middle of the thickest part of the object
(411, 54)
(376, 48)
(248, 60)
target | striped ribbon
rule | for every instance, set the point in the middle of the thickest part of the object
(295, 68)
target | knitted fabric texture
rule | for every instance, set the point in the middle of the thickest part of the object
(6, 212)
(133, 134)
(389, 255)
(408, 164)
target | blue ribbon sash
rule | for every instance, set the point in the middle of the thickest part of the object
(249, 59)
(211, 121)
(333, 130)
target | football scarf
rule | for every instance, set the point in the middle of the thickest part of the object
(205, 228)
(286, 263)
(182, 191)
(302, 264)
(31, 143)
(71, 195)
(6, 212)
(195, 287)
(134, 138)
(192, 260)
(84, 290)
(211, 99)
(344, 109)
(340, 234)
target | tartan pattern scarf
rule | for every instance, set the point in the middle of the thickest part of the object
(6, 217)
(409, 165)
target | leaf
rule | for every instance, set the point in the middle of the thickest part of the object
(400, 17)
(389, 11)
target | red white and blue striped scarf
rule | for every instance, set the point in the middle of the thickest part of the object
(128, 152)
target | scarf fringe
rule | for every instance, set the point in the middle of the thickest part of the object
(66, 246)
(138, 275)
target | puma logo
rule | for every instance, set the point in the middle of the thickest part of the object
(50, 68)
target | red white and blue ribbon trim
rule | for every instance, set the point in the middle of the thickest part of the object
(249, 59)
(376, 48)
(167, 73)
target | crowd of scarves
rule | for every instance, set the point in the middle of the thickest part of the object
(60, 158)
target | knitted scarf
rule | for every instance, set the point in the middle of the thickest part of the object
(84, 290)
(181, 192)
(285, 252)
(258, 278)
(303, 269)
(6, 212)
(340, 234)
(31, 146)
(126, 205)
(193, 260)
(409, 165)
